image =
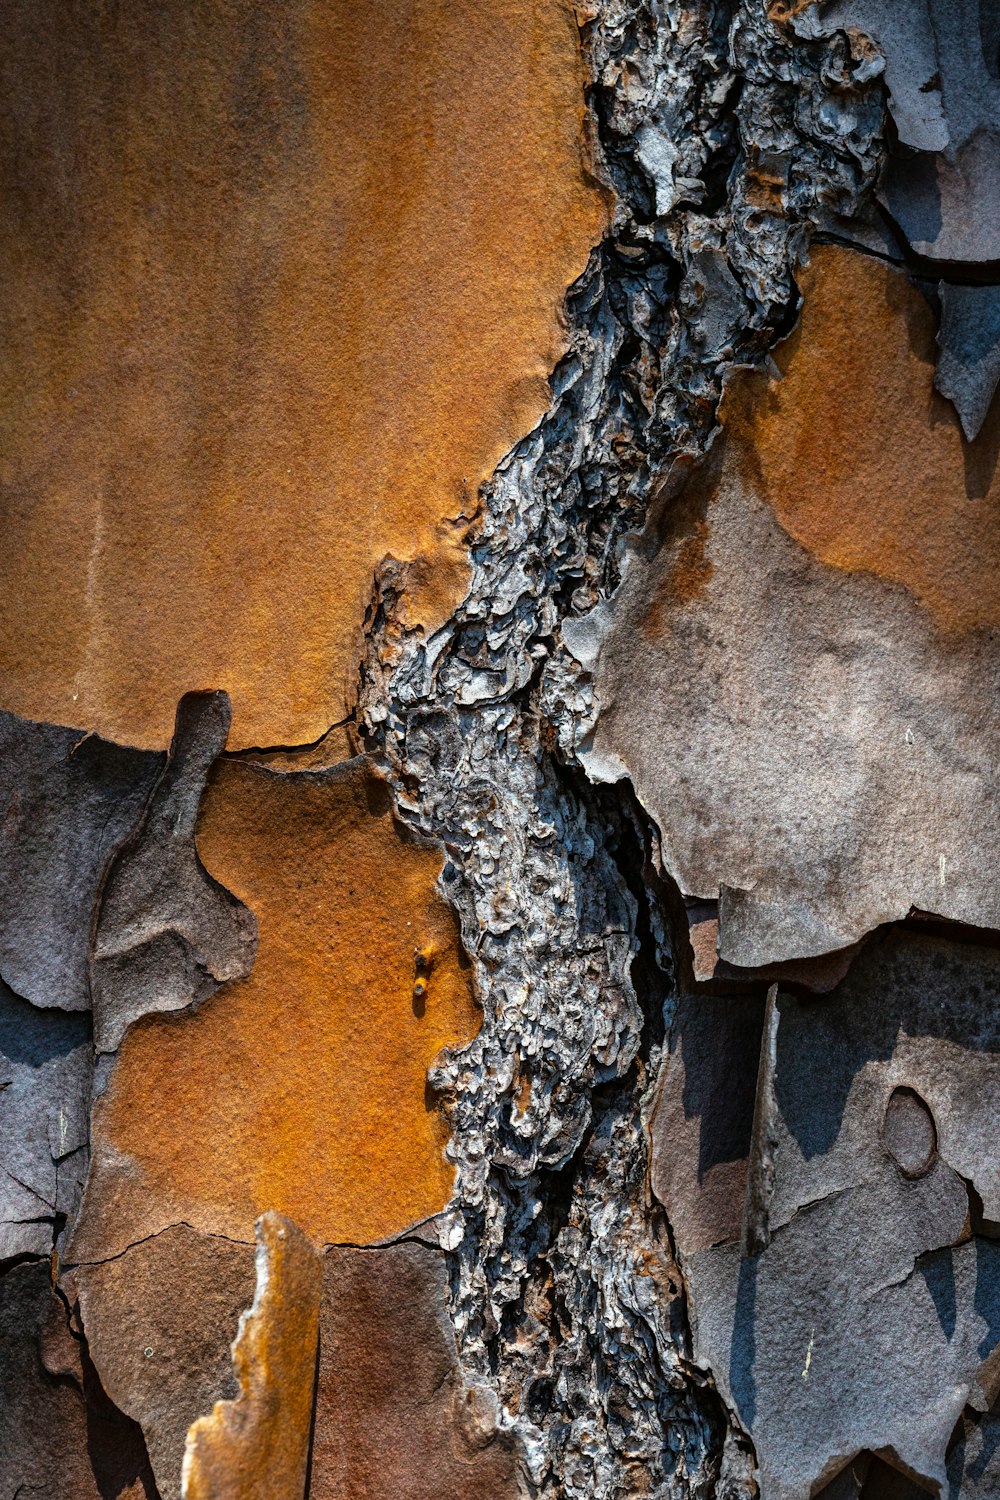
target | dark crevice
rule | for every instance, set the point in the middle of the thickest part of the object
(554, 880)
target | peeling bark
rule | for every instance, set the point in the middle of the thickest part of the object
(577, 967)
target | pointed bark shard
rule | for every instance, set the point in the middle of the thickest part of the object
(969, 362)
(256, 1447)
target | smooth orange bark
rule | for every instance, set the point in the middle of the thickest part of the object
(281, 286)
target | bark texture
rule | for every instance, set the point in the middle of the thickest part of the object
(531, 1029)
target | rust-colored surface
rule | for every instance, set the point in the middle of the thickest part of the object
(304, 1086)
(257, 1446)
(862, 460)
(281, 285)
(394, 1420)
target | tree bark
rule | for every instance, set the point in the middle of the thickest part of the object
(498, 669)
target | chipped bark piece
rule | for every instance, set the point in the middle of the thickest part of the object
(969, 362)
(320, 1055)
(701, 1128)
(256, 1446)
(394, 1420)
(60, 1436)
(703, 936)
(168, 934)
(819, 975)
(255, 260)
(160, 1321)
(45, 1072)
(816, 736)
(67, 800)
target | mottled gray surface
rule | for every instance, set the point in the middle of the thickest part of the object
(915, 1012)
(850, 1332)
(168, 934)
(969, 363)
(872, 1317)
(67, 800)
(814, 751)
(45, 1068)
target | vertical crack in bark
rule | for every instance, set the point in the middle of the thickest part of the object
(727, 143)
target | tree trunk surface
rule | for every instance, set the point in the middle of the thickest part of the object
(499, 822)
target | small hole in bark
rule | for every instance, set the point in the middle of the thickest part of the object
(908, 1132)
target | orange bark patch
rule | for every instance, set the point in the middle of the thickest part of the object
(692, 570)
(281, 286)
(302, 1088)
(257, 1447)
(863, 461)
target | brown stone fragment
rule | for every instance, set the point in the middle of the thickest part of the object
(393, 1418)
(160, 1321)
(304, 1086)
(281, 286)
(256, 1447)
